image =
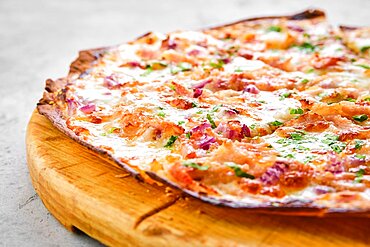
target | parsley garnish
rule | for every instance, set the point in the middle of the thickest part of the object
(333, 143)
(359, 144)
(359, 174)
(213, 124)
(364, 48)
(161, 114)
(239, 69)
(285, 95)
(181, 67)
(147, 71)
(304, 81)
(276, 123)
(360, 118)
(310, 71)
(188, 135)
(253, 126)
(181, 122)
(308, 47)
(111, 130)
(171, 141)
(296, 136)
(360, 156)
(216, 108)
(291, 156)
(217, 65)
(365, 66)
(238, 171)
(350, 100)
(274, 29)
(296, 111)
(196, 166)
(367, 99)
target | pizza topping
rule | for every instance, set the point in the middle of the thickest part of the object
(89, 108)
(360, 118)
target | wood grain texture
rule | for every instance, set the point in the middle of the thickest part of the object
(91, 193)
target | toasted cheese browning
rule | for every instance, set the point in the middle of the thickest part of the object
(263, 113)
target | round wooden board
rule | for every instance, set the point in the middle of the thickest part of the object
(88, 192)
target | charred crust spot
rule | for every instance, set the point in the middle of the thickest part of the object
(308, 14)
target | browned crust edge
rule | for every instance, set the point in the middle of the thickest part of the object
(304, 15)
(86, 60)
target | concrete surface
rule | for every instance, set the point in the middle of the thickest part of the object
(38, 40)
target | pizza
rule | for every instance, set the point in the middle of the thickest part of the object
(265, 113)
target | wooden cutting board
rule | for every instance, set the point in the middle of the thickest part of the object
(89, 193)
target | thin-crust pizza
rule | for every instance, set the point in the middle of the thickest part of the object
(265, 113)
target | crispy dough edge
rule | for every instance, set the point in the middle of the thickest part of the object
(85, 61)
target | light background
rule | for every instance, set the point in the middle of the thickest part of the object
(38, 40)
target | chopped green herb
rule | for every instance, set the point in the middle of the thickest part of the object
(285, 95)
(296, 136)
(276, 123)
(310, 71)
(111, 130)
(274, 29)
(238, 171)
(306, 35)
(172, 87)
(193, 104)
(323, 95)
(213, 124)
(161, 114)
(302, 148)
(253, 126)
(360, 118)
(365, 66)
(269, 146)
(350, 100)
(196, 166)
(365, 48)
(147, 71)
(216, 108)
(359, 174)
(199, 112)
(338, 147)
(359, 144)
(181, 67)
(261, 101)
(217, 65)
(308, 47)
(333, 143)
(188, 135)
(290, 156)
(360, 156)
(296, 111)
(304, 81)
(239, 69)
(180, 122)
(308, 159)
(184, 66)
(367, 99)
(171, 141)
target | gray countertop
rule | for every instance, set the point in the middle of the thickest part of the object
(38, 40)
